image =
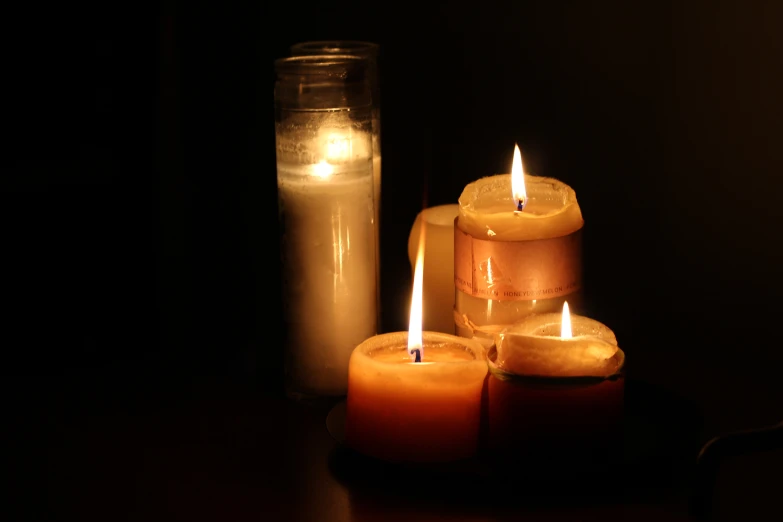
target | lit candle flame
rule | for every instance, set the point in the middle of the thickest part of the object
(565, 323)
(518, 180)
(415, 346)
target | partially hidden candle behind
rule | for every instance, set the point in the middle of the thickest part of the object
(325, 188)
(438, 285)
(517, 250)
(416, 396)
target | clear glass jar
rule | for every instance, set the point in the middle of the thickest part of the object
(371, 52)
(323, 134)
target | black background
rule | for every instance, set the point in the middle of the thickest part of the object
(138, 191)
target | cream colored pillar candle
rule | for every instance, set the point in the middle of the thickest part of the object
(509, 262)
(438, 225)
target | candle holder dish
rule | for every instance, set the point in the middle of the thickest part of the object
(661, 436)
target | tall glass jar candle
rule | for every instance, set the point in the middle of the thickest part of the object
(369, 51)
(323, 134)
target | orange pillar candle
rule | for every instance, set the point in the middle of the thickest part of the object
(415, 396)
(555, 395)
(404, 411)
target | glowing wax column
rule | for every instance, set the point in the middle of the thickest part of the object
(328, 241)
(438, 225)
(510, 263)
(370, 52)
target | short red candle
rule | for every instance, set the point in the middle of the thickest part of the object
(549, 417)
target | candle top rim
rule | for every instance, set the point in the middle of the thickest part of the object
(612, 371)
(555, 356)
(498, 188)
(439, 349)
(440, 215)
(582, 326)
(487, 209)
(399, 341)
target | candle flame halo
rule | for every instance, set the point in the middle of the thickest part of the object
(415, 343)
(518, 190)
(323, 169)
(565, 323)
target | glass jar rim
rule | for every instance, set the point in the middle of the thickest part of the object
(318, 62)
(335, 46)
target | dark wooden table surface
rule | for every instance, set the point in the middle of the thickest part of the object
(107, 447)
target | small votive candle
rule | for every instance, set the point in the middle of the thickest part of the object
(419, 412)
(555, 397)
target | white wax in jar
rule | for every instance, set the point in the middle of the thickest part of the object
(329, 269)
(376, 173)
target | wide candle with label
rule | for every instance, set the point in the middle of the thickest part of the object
(555, 394)
(415, 396)
(517, 249)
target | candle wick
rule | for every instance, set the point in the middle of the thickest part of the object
(417, 352)
(521, 204)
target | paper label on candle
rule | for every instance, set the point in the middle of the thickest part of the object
(517, 270)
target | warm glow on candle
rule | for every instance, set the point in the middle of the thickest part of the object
(323, 169)
(338, 147)
(415, 348)
(518, 180)
(565, 323)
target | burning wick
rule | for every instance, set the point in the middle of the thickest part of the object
(415, 338)
(518, 190)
